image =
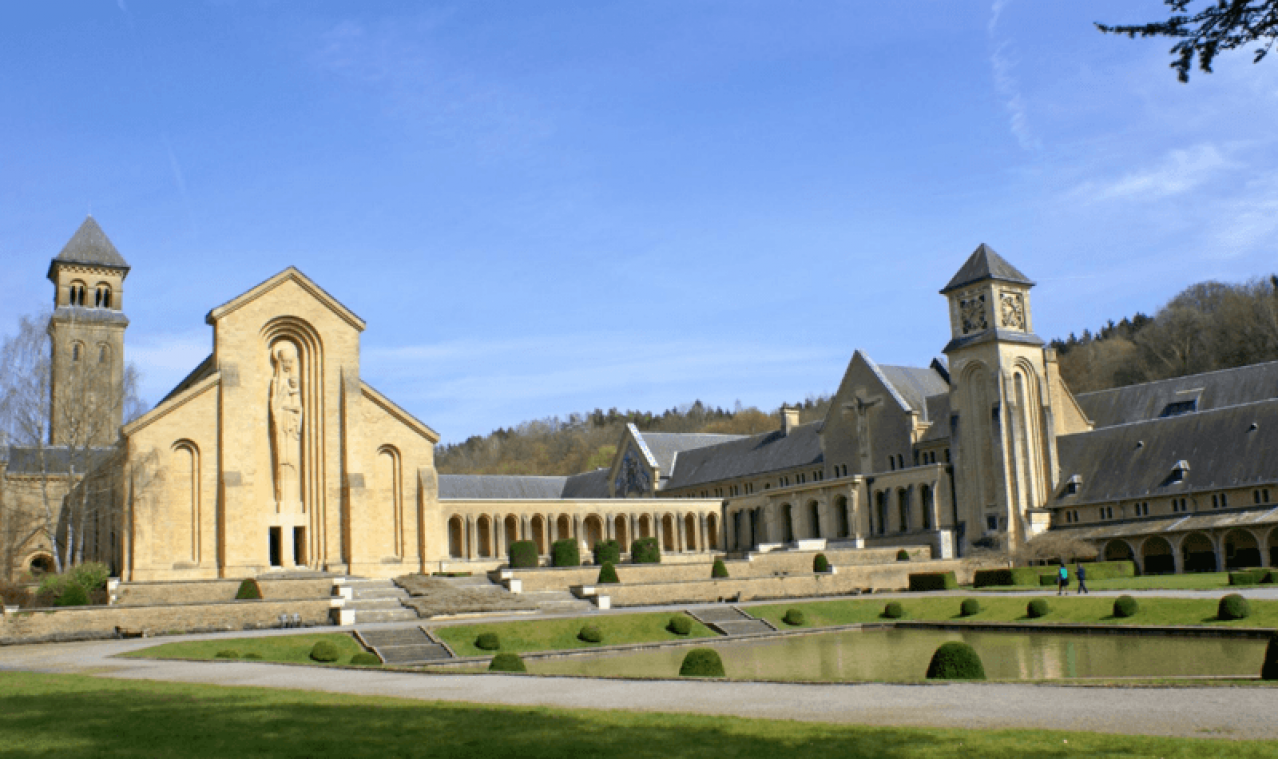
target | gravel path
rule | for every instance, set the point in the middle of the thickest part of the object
(1230, 713)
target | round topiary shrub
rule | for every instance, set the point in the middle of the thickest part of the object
(249, 591)
(252, 655)
(72, 595)
(702, 662)
(894, 610)
(324, 651)
(680, 624)
(608, 574)
(487, 642)
(969, 608)
(227, 654)
(955, 661)
(719, 570)
(820, 563)
(1269, 670)
(1233, 606)
(507, 663)
(794, 618)
(365, 659)
(523, 554)
(902, 555)
(1037, 608)
(590, 634)
(1125, 606)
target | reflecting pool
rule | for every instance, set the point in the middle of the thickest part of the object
(903, 654)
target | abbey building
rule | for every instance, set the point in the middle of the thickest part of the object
(275, 454)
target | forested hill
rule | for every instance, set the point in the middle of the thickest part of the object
(1208, 326)
(588, 441)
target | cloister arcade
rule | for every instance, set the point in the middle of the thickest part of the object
(1197, 551)
(483, 536)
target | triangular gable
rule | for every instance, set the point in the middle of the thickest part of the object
(847, 378)
(389, 406)
(291, 274)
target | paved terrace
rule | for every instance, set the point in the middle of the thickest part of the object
(1199, 712)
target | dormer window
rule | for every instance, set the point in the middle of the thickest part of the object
(1176, 408)
(1179, 471)
(1073, 484)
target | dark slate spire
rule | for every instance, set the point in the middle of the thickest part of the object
(984, 264)
(89, 245)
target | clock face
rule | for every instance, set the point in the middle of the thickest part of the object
(1013, 308)
(972, 313)
(632, 476)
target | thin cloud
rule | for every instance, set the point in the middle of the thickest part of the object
(1176, 173)
(1006, 84)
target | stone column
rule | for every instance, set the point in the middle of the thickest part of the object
(472, 538)
(576, 527)
(1262, 545)
(499, 548)
(703, 531)
(1178, 555)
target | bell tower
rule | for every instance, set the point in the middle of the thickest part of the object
(1001, 421)
(86, 331)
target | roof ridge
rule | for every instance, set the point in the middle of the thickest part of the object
(1190, 415)
(1176, 379)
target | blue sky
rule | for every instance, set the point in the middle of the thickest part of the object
(546, 207)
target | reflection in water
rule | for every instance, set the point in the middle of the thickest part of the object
(901, 654)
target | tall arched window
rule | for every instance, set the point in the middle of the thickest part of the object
(75, 294)
(77, 350)
(102, 296)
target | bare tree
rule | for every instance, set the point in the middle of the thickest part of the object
(1218, 25)
(87, 413)
(1048, 546)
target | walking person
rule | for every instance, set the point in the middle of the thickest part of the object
(1082, 579)
(1062, 580)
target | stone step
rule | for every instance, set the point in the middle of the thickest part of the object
(743, 627)
(369, 616)
(374, 603)
(379, 592)
(395, 637)
(422, 652)
(708, 614)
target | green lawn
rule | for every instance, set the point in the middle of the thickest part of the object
(557, 634)
(996, 608)
(1203, 581)
(72, 716)
(294, 649)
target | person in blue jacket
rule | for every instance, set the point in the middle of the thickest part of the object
(1082, 579)
(1062, 580)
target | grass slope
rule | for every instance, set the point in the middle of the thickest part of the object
(71, 716)
(557, 634)
(994, 608)
(294, 649)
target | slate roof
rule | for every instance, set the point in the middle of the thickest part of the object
(201, 371)
(1228, 387)
(84, 314)
(938, 412)
(747, 456)
(664, 446)
(915, 384)
(500, 486)
(54, 459)
(587, 485)
(89, 245)
(1210, 520)
(984, 264)
(1135, 460)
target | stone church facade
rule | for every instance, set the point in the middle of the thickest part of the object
(275, 455)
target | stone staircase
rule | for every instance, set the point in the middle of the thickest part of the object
(404, 645)
(559, 602)
(729, 620)
(377, 601)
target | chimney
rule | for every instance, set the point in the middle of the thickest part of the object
(789, 419)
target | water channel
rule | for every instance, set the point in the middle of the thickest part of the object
(903, 655)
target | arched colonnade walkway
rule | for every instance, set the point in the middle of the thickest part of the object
(487, 536)
(1215, 550)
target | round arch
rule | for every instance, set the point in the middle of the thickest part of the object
(1199, 553)
(456, 537)
(1241, 549)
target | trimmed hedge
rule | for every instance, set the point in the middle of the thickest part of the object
(1109, 570)
(1125, 606)
(680, 624)
(1233, 606)
(902, 555)
(894, 610)
(1049, 580)
(523, 555)
(507, 663)
(608, 574)
(1248, 577)
(607, 552)
(1269, 670)
(955, 661)
(251, 655)
(1037, 608)
(645, 551)
(820, 563)
(969, 608)
(986, 578)
(719, 570)
(565, 553)
(933, 581)
(702, 662)
(365, 659)
(590, 634)
(488, 642)
(324, 651)
(794, 618)
(227, 653)
(249, 591)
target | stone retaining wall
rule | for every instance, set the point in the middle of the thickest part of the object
(84, 622)
(894, 576)
(215, 591)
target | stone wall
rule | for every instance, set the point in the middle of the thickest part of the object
(847, 580)
(85, 622)
(216, 591)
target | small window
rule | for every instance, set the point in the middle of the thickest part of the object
(947, 455)
(102, 296)
(991, 523)
(75, 351)
(1176, 408)
(1224, 500)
